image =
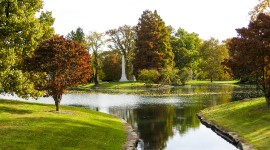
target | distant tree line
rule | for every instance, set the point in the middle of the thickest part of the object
(34, 62)
(175, 56)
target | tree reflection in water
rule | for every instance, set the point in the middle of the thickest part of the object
(155, 123)
(161, 120)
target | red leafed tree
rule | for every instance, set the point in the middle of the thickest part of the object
(65, 64)
(250, 53)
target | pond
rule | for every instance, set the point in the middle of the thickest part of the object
(167, 122)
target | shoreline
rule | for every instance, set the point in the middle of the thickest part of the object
(132, 137)
(231, 137)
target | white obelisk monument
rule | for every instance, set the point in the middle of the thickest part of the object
(123, 77)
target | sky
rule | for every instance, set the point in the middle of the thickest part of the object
(208, 18)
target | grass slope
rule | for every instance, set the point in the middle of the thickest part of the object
(214, 82)
(250, 119)
(35, 126)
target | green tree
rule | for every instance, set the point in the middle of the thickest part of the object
(185, 75)
(169, 75)
(212, 55)
(65, 62)
(185, 47)
(149, 76)
(250, 53)
(21, 30)
(153, 49)
(123, 40)
(77, 35)
(261, 7)
(95, 41)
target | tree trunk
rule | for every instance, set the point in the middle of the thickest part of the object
(57, 100)
(267, 98)
(96, 70)
(96, 78)
(211, 79)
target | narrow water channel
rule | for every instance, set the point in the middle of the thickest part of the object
(166, 122)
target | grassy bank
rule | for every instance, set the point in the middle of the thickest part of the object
(250, 119)
(136, 87)
(116, 87)
(214, 82)
(36, 126)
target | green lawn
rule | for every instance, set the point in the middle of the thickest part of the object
(115, 85)
(36, 126)
(131, 85)
(214, 82)
(250, 119)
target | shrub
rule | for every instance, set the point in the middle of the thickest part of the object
(169, 75)
(149, 76)
(185, 74)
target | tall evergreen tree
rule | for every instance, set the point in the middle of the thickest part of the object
(153, 49)
(78, 36)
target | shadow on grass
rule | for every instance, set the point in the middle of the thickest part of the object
(10, 110)
(60, 133)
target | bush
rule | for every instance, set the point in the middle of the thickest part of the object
(185, 74)
(169, 76)
(149, 76)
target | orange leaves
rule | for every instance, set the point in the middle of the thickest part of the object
(250, 52)
(65, 62)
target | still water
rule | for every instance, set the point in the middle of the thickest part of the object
(166, 122)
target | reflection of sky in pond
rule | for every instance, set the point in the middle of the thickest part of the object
(163, 122)
(201, 138)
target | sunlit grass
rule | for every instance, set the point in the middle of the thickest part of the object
(114, 85)
(35, 126)
(250, 119)
(214, 82)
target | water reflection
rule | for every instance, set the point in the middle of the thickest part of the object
(168, 122)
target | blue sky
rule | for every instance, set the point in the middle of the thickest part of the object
(208, 18)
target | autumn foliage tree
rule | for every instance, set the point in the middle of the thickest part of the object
(153, 49)
(250, 53)
(111, 65)
(65, 64)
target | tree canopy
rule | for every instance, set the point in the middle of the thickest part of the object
(212, 55)
(185, 47)
(66, 64)
(153, 49)
(95, 42)
(77, 35)
(123, 41)
(250, 52)
(111, 65)
(262, 7)
(21, 30)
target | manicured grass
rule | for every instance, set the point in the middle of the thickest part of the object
(36, 126)
(214, 82)
(115, 85)
(249, 118)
